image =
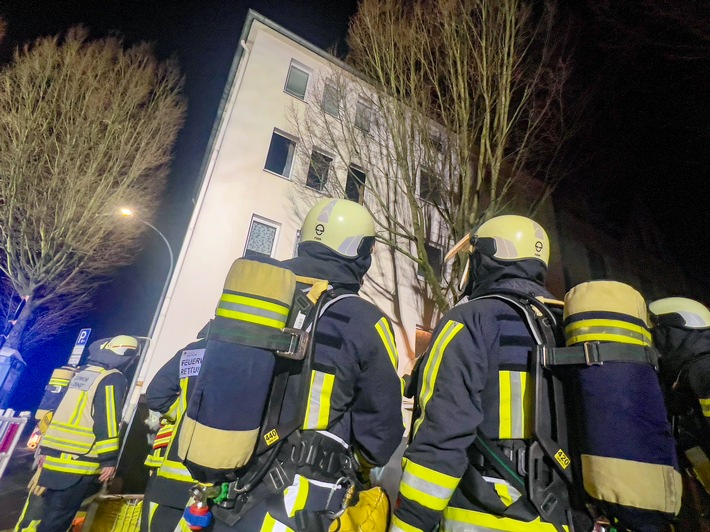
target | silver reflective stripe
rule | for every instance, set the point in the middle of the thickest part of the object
(425, 486)
(314, 410)
(516, 403)
(255, 311)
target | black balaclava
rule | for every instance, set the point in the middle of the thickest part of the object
(317, 260)
(486, 272)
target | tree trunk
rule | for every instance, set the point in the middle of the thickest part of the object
(14, 338)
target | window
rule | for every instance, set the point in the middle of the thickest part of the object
(261, 239)
(318, 170)
(331, 100)
(363, 115)
(296, 81)
(436, 142)
(280, 157)
(435, 258)
(296, 242)
(355, 184)
(429, 186)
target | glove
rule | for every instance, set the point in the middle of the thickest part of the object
(33, 487)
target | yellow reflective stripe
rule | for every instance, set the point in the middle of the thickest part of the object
(182, 407)
(272, 525)
(153, 506)
(252, 310)
(58, 382)
(318, 409)
(153, 460)
(460, 520)
(78, 410)
(503, 492)
(67, 465)
(174, 471)
(705, 406)
(607, 330)
(183, 526)
(383, 329)
(400, 526)
(430, 488)
(106, 446)
(431, 368)
(72, 429)
(112, 426)
(295, 495)
(515, 403)
(61, 444)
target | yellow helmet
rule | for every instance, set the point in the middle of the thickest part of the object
(679, 312)
(341, 225)
(511, 237)
(122, 345)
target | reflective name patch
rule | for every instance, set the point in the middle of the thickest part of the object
(83, 380)
(191, 362)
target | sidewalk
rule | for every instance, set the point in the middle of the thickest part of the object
(13, 485)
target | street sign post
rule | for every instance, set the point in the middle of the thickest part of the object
(79, 346)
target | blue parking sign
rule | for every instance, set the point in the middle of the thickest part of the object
(79, 346)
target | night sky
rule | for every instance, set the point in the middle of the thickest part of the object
(646, 132)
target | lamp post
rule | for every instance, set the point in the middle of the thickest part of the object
(128, 213)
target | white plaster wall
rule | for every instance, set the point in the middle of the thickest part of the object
(236, 187)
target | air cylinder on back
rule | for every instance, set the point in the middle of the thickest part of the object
(224, 414)
(628, 459)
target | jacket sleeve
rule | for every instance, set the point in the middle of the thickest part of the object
(164, 389)
(377, 410)
(107, 408)
(452, 379)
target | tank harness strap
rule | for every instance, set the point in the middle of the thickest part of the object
(597, 353)
(544, 455)
(309, 454)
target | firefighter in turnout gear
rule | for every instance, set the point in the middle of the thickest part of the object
(81, 444)
(350, 417)
(167, 492)
(475, 376)
(681, 333)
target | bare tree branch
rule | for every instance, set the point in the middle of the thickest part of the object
(468, 120)
(85, 126)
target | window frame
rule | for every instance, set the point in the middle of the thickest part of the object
(326, 87)
(255, 218)
(361, 187)
(305, 70)
(323, 183)
(429, 247)
(433, 176)
(363, 104)
(291, 139)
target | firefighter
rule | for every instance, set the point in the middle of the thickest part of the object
(81, 445)
(354, 399)
(681, 333)
(474, 376)
(167, 492)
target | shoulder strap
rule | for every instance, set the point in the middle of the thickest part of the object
(548, 496)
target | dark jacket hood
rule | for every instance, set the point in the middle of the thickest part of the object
(316, 260)
(679, 346)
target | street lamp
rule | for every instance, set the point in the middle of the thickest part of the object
(128, 213)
